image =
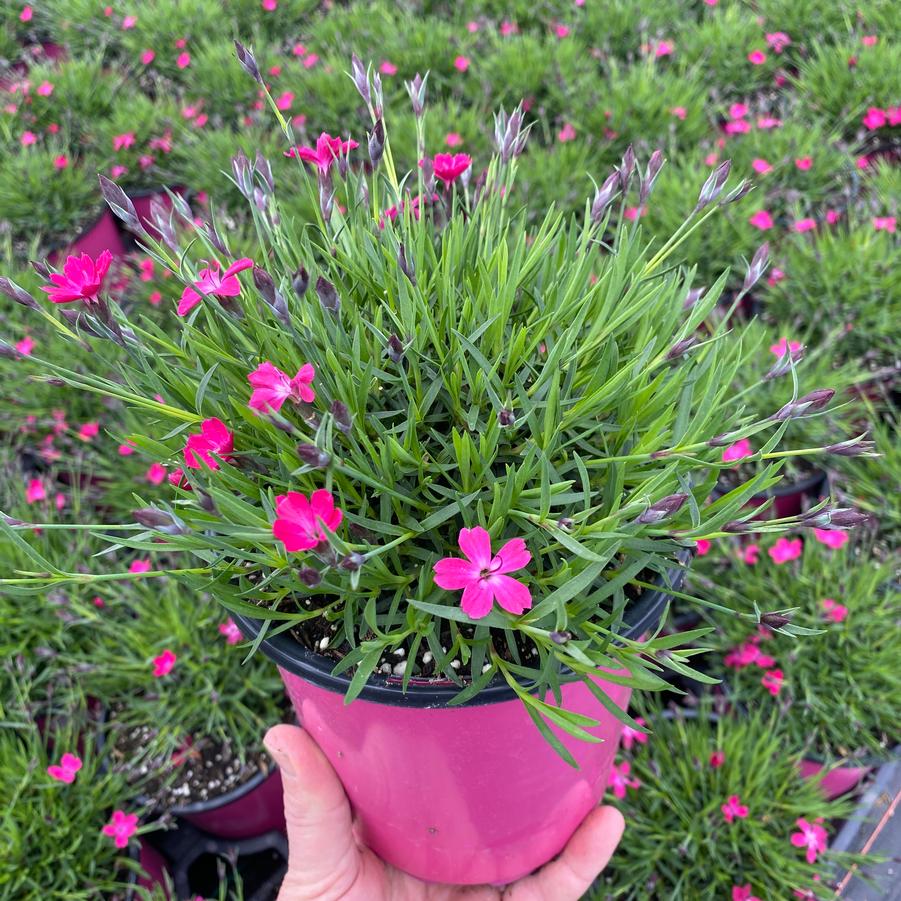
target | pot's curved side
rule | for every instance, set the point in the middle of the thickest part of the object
(838, 780)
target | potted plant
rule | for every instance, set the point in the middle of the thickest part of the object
(716, 809)
(848, 604)
(185, 720)
(415, 394)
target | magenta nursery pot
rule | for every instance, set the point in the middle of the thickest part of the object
(245, 812)
(155, 867)
(464, 795)
(838, 780)
(788, 498)
(102, 235)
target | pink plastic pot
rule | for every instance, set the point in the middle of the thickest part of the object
(838, 780)
(102, 235)
(250, 810)
(464, 795)
(788, 499)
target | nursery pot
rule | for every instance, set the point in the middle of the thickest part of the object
(245, 812)
(838, 780)
(788, 499)
(463, 795)
(142, 200)
(101, 235)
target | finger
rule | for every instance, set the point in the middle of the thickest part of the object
(321, 848)
(570, 875)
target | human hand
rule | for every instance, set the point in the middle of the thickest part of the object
(326, 863)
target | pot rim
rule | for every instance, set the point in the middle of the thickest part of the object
(236, 794)
(803, 486)
(291, 655)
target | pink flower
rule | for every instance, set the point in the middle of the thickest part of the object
(326, 151)
(461, 63)
(738, 451)
(874, 118)
(156, 474)
(743, 893)
(129, 22)
(630, 735)
(761, 166)
(453, 139)
(894, 115)
(738, 111)
(567, 133)
(35, 492)
(838, 613)
(124, 140)
(117, 171)
(772, 681)
(183, 60)
(804, 225)
(767, 122)
(734, 808)
(210, 282)
(270, 6)
(664, 48)
(750, 554)
(98, 601)
(449, 167)
(831, 538)
(812, 837)
(784, 346)
(737, 127)
(746, 654)
(472, 27)
(562, 31)
(89, 430)
(60, 162)
(177, 479)
(163, 663)
(785, 549)
(214, 438)
(762, 220)
(25, 346)
(45, 89)
(59, 500)
(121, 827)
(284, 100)
(869, 40)
(776, 276)
(832, 216)
(804, 163)
(272, 387)
(28, 138)
(757, 57)
(65, 771)
(507, 28)
(81, 278)
(387, 68)
(229, 629)
(127, 449)
(717, 759)
(147, 57)
(778, 41)
(140, 566)
(702, 546)
(885, 223)
(26, 14)
(679, 112)
(618, 779)
(301, 523)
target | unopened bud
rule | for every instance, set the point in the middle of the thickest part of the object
(693, 296)
(42, 267)
(757, 267)
(626, 169)
(560, 637)
(247, 61)
(378, 102)
(506, 418)
(737, 527)
(328, 296)
(352, 561)
(342, 416)
(300, 282)
(309, 576)
(243, 173)
(406, 266)
(395, 349)
(775, 620)
(261, 165)
(809, 403)
(416, 90)
(655, 164)
(120, 203)
(663, 509)
(207, 504)
(260, 199)
(19, 295)
(326, 195)
(160, 521)
(313, 456)
(737, 193)
(272, 297)
(428, 174)
(360, 77)
(603, 197)
(376, 143)
(785, 363)
(853, 447)
(714, 185)
(840, 518)
(681, 347)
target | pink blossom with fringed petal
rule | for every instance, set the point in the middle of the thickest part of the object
(717, 759)
(483, 576)
(831, 538)
(747, 654)
(147, 57)
(567, 133)
(812, 837)
(772, 681)
(25, 346)
(230, 631)
(140, 566)
(762, 220)
(750, 554)
(618, 779)
(156, 474)
(35, 492)
(804, 225)
(183, 60)
(211, 283)
(272, 387)
(785, 550)
(702, 547)
(448, 167)
(66, 769)
(214, 438)
(834, 611)
(386, 67)
(885, 223)
(874, 118)
(163, 663)
(81, 279)
(734, 809)
(783, 346)
(461, 63)
(778, 41)
(757, 57)
(743, 893)
(301, 522)
(326, 151)
(121, 827)
(737, 451)
(631, 736)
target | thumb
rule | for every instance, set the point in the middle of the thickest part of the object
(322, 853)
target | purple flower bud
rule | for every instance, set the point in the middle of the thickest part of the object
(360, 76)
(160, 521)
(247, 61)
(714, 185)
(406, 266)
(506, 418)
(681, 347)
(120, 203)
(626, 169)
(207, 503)
(313, 456)
(603, 197)
(560, 637)
(395, 349)
(19, 295)
(428, 174)
(416, 90)
(352, 562)
(509, 135)
(693, 296)
(655, 164)
(838, 518)
(208, 230)
(342, 416)
(378, 102)
(328, 296)
(757, 267)
(566, 523)
(376, 143)
(815, 400)
(42, 267)
(853, 447)
(326, 195)
(300, 282)
(775, 620)
(736, 527)
(663, 509)
(785, 363)
(272, 297)
(261, 165)
(260, 199)
(243, 173)
(8, 351)
(309, 576)
(737, 193)
(161, 217)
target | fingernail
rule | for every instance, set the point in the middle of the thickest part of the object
(279, 755)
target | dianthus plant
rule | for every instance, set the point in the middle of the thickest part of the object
(432, 427)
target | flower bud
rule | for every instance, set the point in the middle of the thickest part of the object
(428, 174)
(603, 197)
(376, 143)
(309, 576)
(736, 527)
(509, 135)
(378, 101)
(272, 297)
(328, 296)
(681, 347)
(406, 266)
(853, 447)
(395, 349)
(663, 509)
(300, 282)
(560, 637)
(737, 193)
(160, 521)
(655, 164)
(260, 199)
(205, 500)
(416, 90)
(342, 416)
(261, 165)
(693, 296)
(352, 561)
(19, 295)
(775, 620)
(506, 418)
(326, 195)
(313, 456)
(785, 363)
(360, 77)
(248, 63)
(120, 203)
(626, 169)
(714, 185)
(757, 267)
(7, 350)
(243, 173)
(815, 400)
(837, 518)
